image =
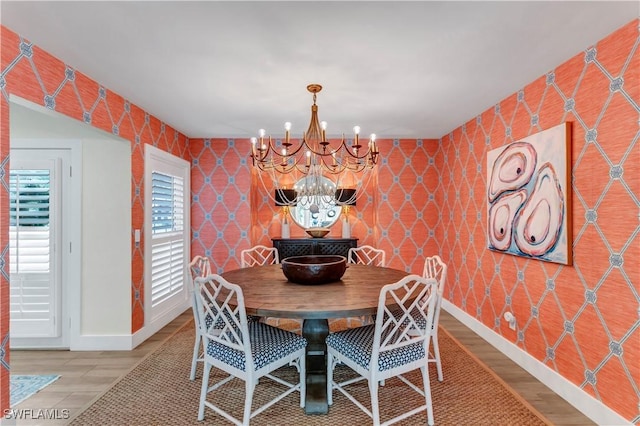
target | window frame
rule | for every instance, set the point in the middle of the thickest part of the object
(166, 164)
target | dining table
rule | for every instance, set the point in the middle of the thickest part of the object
(268, 293)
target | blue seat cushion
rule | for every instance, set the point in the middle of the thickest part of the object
(357, 343)
(268, 344)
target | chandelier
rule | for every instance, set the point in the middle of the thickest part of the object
(304, 165)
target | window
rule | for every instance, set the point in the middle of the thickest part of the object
(167, 225)
(29, 221)
(33, 211)
(167, 203)
(168, 246)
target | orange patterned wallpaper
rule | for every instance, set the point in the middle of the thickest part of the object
(33, 74)
(397, 213)
(581, 320)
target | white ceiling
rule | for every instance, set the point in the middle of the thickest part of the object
(398, 69)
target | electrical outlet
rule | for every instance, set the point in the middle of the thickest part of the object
(511, 319)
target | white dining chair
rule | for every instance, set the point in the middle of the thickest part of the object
(261, 255)
(244, 350)
(258, 255)
(200, 266)
(435, 268)
(387, 349)
(366, 255)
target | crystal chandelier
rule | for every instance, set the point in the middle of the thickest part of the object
(303, 165)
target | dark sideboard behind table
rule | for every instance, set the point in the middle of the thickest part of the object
(288, 247)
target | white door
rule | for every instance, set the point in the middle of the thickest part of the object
(37, 197)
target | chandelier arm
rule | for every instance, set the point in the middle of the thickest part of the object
(367, 153)
(263, 166)
(266, 163)
(323, 152)
(286, 170)
(302, 169)
(337, 171)
(263, 153)
(355, 166)
(292, 153)
(334, 167)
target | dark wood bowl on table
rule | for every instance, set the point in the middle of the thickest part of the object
(314, 269)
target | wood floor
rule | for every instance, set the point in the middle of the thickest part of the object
(86, 375)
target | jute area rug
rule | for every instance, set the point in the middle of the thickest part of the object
(158, 392)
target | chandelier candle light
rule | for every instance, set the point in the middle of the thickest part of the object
(310, 159)
(283, 199)
(346, 198)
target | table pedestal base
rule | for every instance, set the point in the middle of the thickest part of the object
(315, 331)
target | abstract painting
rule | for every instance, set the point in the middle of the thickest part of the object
(529, 196)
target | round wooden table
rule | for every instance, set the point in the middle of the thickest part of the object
(268, 293)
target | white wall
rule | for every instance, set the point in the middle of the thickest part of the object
(106, 237)
(106, 222)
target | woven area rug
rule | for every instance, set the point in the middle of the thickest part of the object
(158, 392)
(23, 386)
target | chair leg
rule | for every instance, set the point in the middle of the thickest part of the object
(196, 353)
(303, 380)
(203, 390)
(330, 365)
(375, 409)
(249, 386)
(427, 393)
(436, 355)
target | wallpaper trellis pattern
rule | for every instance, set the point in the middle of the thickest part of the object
(231, 211)
(581, 321)
(33, 74)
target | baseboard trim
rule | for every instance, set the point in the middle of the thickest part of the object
(156, 325)
(102, 342)
(126, 342)
(582, 401)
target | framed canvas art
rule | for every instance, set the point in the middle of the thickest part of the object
(529, 196)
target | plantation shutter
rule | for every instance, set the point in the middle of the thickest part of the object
(167, 228)
(32, 302)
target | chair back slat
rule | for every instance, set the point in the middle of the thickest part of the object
(366, 255)
(223, 302)
(402, 306)
(200, 266)
(434, 267)
(259, 255)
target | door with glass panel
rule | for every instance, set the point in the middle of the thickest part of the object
(36, 186)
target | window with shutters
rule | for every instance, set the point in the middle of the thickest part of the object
(29, 220)
(30, 248)
(167, 226)
(168, 211)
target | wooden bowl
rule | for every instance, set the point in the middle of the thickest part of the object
(314, 269)
(317, 232)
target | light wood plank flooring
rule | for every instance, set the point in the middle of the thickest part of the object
(86, 375)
